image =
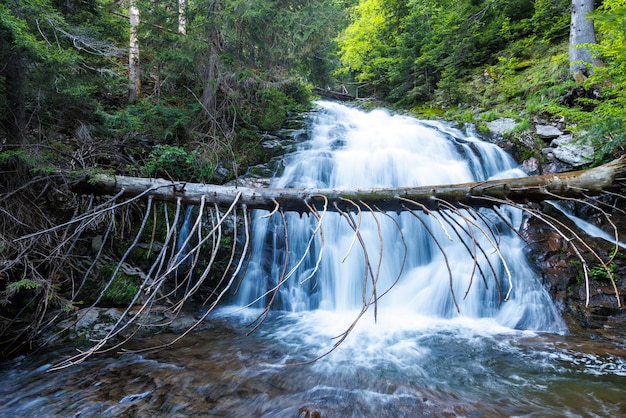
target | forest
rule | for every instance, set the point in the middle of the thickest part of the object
(186, 89)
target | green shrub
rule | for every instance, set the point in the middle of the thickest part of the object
(608, 136)
(175, 163)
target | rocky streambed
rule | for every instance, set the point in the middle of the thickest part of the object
(589, 306)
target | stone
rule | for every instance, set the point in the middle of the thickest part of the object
(501, 126)
(555, 167)
(547, 131)
(571, 151)
(222, 172)
(531, 166)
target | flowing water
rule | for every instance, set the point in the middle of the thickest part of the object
(445, 337)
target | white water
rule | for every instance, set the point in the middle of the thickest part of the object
(419, 359)
(350, 148)
(589, 228)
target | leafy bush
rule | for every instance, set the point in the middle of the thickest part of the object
(175, 163)
(608, 136)
(274, 105)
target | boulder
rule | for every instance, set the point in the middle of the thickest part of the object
(547, 131)
(501, 126)
(573, 152)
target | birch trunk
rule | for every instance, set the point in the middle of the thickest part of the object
(134, 72)
(182, 17)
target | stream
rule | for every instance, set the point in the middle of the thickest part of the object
(417, 368)
(445, 333)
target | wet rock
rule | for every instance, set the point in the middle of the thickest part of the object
(251, 180)
(561, 270)
(222, 172)
(93, 324)
(532, 166)
(555, 166)
(276, 145)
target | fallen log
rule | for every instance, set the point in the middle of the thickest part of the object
(155, 287)
(576, 184)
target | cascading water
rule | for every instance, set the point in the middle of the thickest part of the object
(421, 358)
(413, 256)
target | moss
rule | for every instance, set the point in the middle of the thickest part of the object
(121, 292)
(428, 112)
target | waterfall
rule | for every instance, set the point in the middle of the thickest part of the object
(182, 241)
(422, 262)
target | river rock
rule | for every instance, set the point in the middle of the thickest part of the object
(555, 166)
(552, 254)
(532, 166)
(93, 324)
(222, 172)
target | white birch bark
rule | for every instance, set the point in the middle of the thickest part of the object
(182, 17)
(134, 71)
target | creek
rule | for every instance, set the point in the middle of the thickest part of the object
(450, 334)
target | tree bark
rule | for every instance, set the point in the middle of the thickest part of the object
(134, 71)
(182, 17)
(581, 32)
(214, 46)
(577, 184)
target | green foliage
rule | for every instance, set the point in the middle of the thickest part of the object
(607, 135)
(272, 108)
(419, 51)
(288, 37)
(551, 19)
(150, 119)
(121, 292)
(602, 274)
(24, 284)
(522, 126)
(597, 272)
(175, 163)
(8, 156)
(65, 55)
(35, 162)
(606, 129)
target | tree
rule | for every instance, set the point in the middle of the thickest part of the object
(582, 34)
(412, 50)
(56, 57)
(134, 69)
(211, 71)
(182, 17)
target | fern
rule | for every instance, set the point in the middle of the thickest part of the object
(25, 284)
